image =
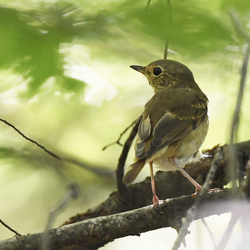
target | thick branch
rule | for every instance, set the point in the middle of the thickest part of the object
(169, 184)
(94, 233)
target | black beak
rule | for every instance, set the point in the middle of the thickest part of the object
(138, 68)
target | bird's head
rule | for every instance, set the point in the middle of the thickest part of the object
(162, 74)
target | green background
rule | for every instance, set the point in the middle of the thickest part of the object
(65, 82)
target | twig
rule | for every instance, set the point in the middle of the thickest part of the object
(122, 159)
(236, 115)
(121, 135)
(11, 229)
(28, 139)
(237, 25)
(246, 187)
(148, 3)
(73, 193)
(209, 231)
(170, 184)
(170, 17)
(96, 169)
(235, 125)
(166, 51)
(192, 211)
(245, 225)
(170, 23)
(228, 232)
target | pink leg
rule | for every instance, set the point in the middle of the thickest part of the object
(196, 184)
(155, 198)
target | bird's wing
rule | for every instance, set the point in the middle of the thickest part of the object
(166, 120)
(167, 130)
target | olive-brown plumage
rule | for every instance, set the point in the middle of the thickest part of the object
(174, 122)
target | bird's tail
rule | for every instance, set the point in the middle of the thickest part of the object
(134, 170)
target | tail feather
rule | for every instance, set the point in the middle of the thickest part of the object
(134, 170)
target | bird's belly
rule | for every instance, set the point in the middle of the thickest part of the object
(184, 150)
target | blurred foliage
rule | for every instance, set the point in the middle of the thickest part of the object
(30, 39)
(65, 82)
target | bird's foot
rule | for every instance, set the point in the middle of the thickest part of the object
(197, 191)
(214, 190)
(210, 191)
(156, 201)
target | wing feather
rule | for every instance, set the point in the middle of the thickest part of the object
(165, 121)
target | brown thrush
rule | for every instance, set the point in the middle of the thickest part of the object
(174, 122)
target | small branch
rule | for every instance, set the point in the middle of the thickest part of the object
(122, 159)
(227, 234)
(11, 229)
(121, 135)
(169, 184)
(236, 115)
(238, 27)
(28, 139)
(233, 167)
(246, 187)
(170, 16)
(94, 169)
(166, 51)
(209, 231)
(73, 193)
(211, 174)
(148, 3)
(170, 23)
(191, 213)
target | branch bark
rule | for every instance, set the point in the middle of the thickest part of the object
(108, 221)
(96, 232)
(170, 184)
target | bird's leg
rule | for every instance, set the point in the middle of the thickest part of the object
(155, 198)
(196, 184)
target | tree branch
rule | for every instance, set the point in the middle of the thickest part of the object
(121, 187)
(11, 229)
(94, 233)
(169, 184)
(193, 210)
(87, 232)
(120, 136)
(32, 141)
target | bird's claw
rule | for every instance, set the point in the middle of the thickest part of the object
(156, 201)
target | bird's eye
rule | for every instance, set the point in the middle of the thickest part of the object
(157, 71)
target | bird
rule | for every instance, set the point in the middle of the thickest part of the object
(174, 123)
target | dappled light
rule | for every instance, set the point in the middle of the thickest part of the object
(67, 88)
